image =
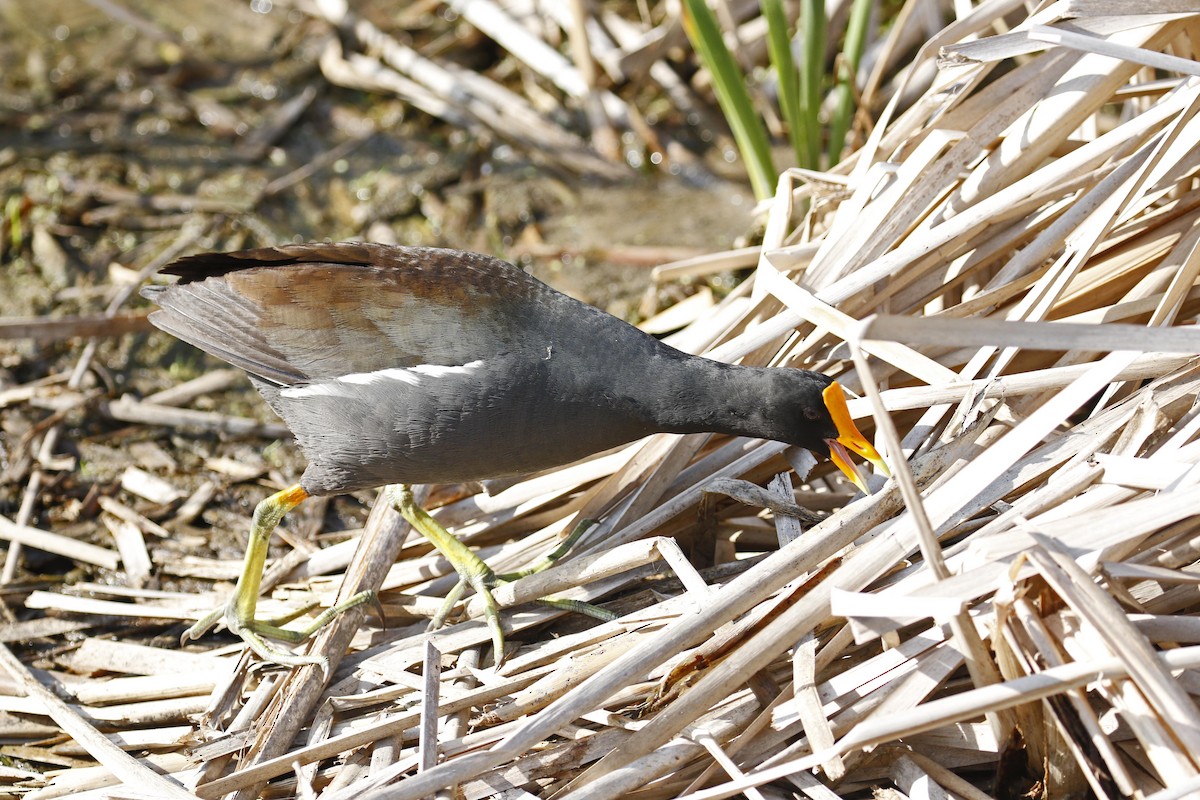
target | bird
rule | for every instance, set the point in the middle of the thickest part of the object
(396, 365)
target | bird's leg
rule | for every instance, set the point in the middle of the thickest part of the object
(239, 612)
(473, 572)
(470, 567)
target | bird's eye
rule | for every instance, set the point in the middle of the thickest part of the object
(811, 412)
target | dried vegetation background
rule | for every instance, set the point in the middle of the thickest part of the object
(1004, 267)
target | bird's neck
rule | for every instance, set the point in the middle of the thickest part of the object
(708, 396)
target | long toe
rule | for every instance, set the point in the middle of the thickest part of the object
(491, 614)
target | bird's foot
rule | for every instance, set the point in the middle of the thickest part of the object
(547, 561)
(259, 634)
(491, 609)
(479, 576)
(239, 614)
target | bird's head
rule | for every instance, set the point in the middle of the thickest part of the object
(812, 410)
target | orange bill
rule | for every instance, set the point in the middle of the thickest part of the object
(849, 439)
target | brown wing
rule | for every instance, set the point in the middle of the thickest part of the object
(298, 313)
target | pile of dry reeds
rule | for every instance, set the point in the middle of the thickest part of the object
(1006, 272)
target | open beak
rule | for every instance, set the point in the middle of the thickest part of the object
(849, 439)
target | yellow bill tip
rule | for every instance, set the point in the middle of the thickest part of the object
(840, 457)
(849, 439)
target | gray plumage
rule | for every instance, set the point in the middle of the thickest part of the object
(423, 365)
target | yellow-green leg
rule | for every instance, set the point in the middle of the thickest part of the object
(470, 567)
(239, 612)
(474, 572)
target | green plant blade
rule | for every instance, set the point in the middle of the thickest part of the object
(812, 28)
(779, 47)
(730, 85)
(852, 51)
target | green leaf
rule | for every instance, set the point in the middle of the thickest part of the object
(812, 26)
(779, 47)
(730, 85)
(852, 51)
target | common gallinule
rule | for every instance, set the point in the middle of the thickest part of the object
(396, 365)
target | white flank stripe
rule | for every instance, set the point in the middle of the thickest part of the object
(413, 376)
(438, 370)
(312, 390)
(381, 376)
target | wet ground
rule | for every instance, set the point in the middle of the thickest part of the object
(119, 123)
